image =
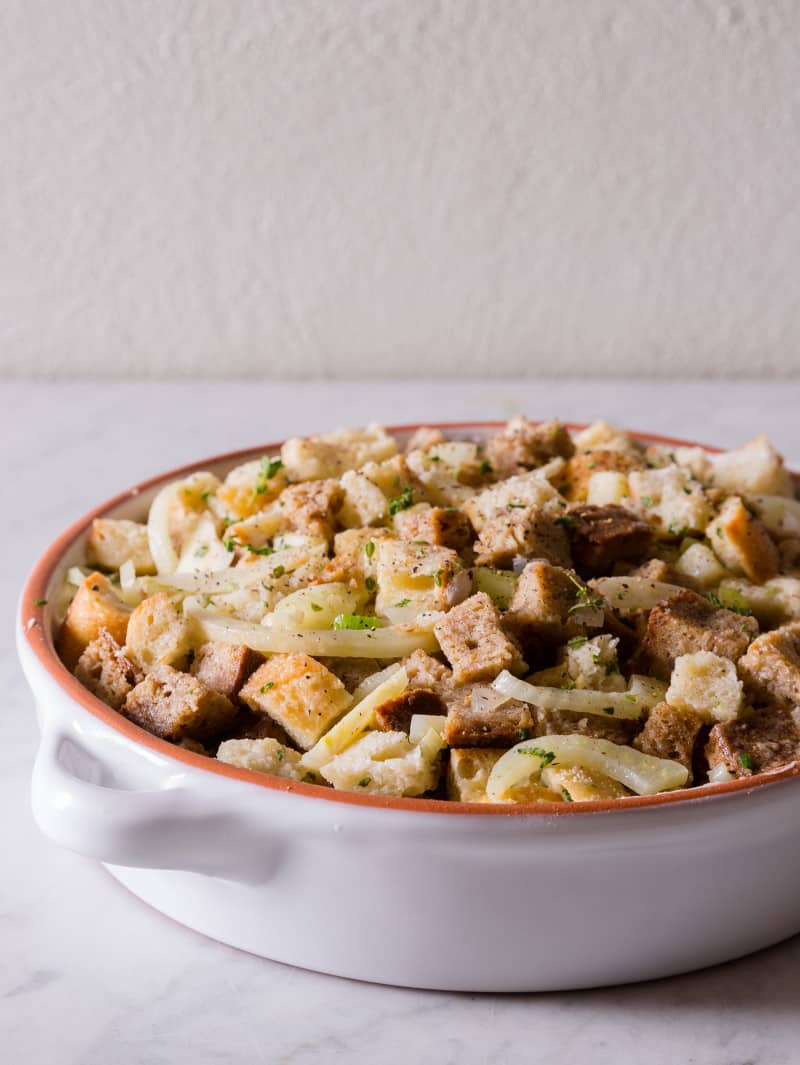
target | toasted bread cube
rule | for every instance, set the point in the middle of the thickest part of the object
(225, 667)
(601, 536)
(771, 667)
(605, 437)
(174, 705)
(670, 499)
(438, 526)
(468, 772)
(106, 671)
(250, 487)
(606, 487)
(363, 504)
(688, 623)
(706, 684)
(315, 458)
(699, 566)
(425, 671)
(756, 468)
(579, 471)
(552, 603)
(395, 715)
(473, 722)
(383, 763)
(424, 438)
(594, 664)
(789, 551)
(526, 532)
(351, 671)
(311, 508)
(418, 576)
(113, 541)
(743, 543)
(158, 634)
(525, 490)
(766, 739)
(473, 641)
(670, 732)
(94, 607)
(262, 756)
(299, 693)
(443, 483)
(524, 445)
(567, 723)
(576, 784)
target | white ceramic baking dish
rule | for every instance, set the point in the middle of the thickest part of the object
(420, 893)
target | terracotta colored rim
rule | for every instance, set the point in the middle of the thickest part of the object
(36, 630)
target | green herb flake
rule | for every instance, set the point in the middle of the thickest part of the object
(566, 520)
(370, 584)
(523, 734)
(577, 641)
(437, 578)
(516, 506)
(279, 571)
(566, 795)
(40, 602)
(364, 782)
(403, 602)
(608, 710)
(269, 467)
(545, 757)
(308, 778)
(402, 501)
(230, 544)
(486, 466)
(630, 698)
(205, 496)
(266, 687)
(315, 607)
(369, 548)
(280, 753)
(746, 761)
(687, 491)
(354, 621)
(647, 502)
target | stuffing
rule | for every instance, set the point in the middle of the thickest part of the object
(522, 532)
(671, 500)
(299, 693)
(262, 756)
(316, 458)
(468, 771)
(425, 671)
(771, 666)
(473, 641)
(174, 706)
(225, 667)
(438, 526)
(601, 536)
(553, 604)
(742, 542)
(671, 732)
(523, 445)
(159, 634)
(94, 607)
(688, 622)
(707, 685)
(766, 739)
(351, 671)
(566, 723)
(312, 508)
(106, 671)
(112, 542)
(383, 763)
(755, 468)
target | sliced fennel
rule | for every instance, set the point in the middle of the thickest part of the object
(629, 704)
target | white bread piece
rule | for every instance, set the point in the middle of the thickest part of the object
(673, 497)
(576, 784)
(600, 436)
(113, 541)
(754, 468)
(418, 576)
(706, 684)
(526, 489)
(606, 487)
(315, 458)
(94, 607)
(468, 771)
(742, 542)
(262, 756)
(383, 763)
(158, 634)
(364, 502)
(700, 563)
(593, 664)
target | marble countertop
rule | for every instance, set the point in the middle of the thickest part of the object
(89, 976)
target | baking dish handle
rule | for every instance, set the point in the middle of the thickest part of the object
(169, 827)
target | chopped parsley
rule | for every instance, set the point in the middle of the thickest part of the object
(516, 506)
(280, 753)
(437, 578)
(647, 502)
(266, 687)
(315, 607)
(230, 544)
(354, 621)
(403, 602)
(279, 571)
(734, 602)
(523, 734)
(364, 782)
(402, 501)
(568, 686)
(205, 496)
(584, 598)
(566, 795)
(486, 466)
(545, 757)
(608, 710)
(577, 641)
(566, 520)
(269, 467)
(308, 778)
(40, 602)
(370, 584)
(369, 548)
(687, 491)
(746, 761)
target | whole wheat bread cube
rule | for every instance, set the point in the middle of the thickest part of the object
(473, 641)
(522, 445)
(225, 667)
(94, 607)
(311, 508)
(601, 536)
(395, 714)
(299, 693)
(439, 526)
(551, 603)
(687, 623)
(567, 723)
(106, 671)
(527, 532)
(175, 705)
(771, 667)
(670, 732)
(158, 634)
(425, 671)
(473, 723)
(766, 739)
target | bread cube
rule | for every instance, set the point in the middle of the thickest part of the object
(106, 671)
(524, 445)
(671, 732)
(700, 566)
(576, 784)
(755, 468)
(425, 671)
(567, 723)
(475, 722)
(439, 482)
(395, 715)
(743, 543)
(525, 490)
(225, 667)
(766, 739)
(331, 454)
(418, 576)
(671, 500)
(468, 772)
(473, 641)
(262, 756)
(580, 471)
(383, 763)
(438, 526)
(113, 541)
(174, 705)
(600, 435)
(299, 693)
(363, 503)
(553, 604)
(250, 487)
(593, 664)
(606, 486)
(424, 438)
(311, 508)
(601, 536)
(94, 607)
(706, 684)
(159, 634)
(527, 532)
(771, 667)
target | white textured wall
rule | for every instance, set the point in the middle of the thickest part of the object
(319, 186)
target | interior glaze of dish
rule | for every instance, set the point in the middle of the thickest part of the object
(503, 619)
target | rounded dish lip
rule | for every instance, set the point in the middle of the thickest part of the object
(35, 632)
